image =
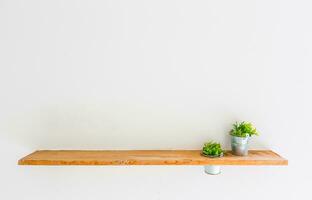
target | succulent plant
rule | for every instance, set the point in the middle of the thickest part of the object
(243, 129)
(212, 149)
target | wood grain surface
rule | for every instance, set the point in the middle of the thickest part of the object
(147, 157)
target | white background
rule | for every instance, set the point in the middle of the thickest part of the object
(143, 74)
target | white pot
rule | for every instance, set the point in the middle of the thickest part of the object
(212, 169)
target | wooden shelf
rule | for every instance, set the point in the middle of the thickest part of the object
(148, 157)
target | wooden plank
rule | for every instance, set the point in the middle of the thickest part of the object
(147, 157)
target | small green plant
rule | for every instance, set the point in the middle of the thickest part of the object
(212, 149)
(243, 129)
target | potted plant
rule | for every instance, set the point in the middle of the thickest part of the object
(212, 150)
(240, 134)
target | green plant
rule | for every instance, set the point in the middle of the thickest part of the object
(212, 149)
(243, 129)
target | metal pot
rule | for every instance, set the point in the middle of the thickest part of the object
(239, 145)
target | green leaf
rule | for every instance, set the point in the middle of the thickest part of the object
(243, 129)
(212, 149)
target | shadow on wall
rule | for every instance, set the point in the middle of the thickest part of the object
(122, 126)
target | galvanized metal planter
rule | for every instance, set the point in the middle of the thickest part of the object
(212, 169)
(240, 145)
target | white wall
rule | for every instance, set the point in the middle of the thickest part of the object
(143, 74)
